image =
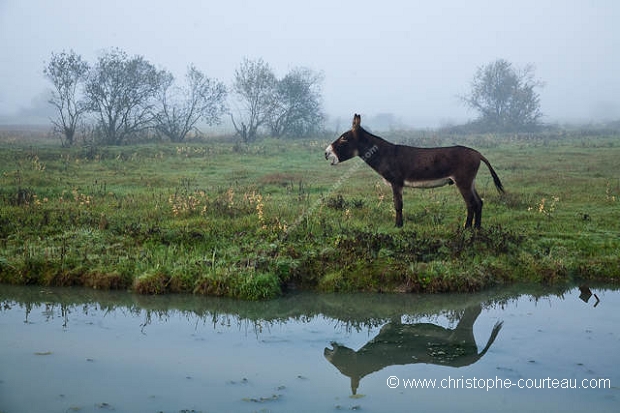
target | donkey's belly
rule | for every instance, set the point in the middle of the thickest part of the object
(433, 183)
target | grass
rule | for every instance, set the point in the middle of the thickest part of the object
(251, 222)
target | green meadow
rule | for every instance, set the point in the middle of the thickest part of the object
(254, 221)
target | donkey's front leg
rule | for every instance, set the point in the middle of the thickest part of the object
(397, 191)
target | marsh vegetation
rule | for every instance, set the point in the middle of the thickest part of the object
(253, 220)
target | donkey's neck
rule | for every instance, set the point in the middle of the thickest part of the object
(373, 150)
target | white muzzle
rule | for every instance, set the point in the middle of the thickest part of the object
(330, 155)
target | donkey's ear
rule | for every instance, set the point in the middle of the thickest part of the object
(357, 119)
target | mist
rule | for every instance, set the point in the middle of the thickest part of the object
(407, 61)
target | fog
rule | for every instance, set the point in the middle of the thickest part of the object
(410, 59)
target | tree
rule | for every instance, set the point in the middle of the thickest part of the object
(181, 108)
(121, 90)
(505, 97)
(254, 86)
(67, 72)
(297, 106)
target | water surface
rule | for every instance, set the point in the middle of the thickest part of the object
(78, 350)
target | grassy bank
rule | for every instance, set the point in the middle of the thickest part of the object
(225, 219)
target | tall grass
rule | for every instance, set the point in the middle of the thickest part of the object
(253, 221)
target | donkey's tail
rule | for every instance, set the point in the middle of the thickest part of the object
(498, 183)
(492, 337)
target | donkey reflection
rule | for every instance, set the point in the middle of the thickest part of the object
(400, 344)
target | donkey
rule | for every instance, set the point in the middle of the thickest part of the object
(402, 165)
(405, 344)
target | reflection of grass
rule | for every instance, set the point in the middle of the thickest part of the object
(223, 219)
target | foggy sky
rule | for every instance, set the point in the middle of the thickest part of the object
(404, 57)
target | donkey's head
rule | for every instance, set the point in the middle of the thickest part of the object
(346, 146)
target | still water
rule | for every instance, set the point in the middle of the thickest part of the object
(511, 350)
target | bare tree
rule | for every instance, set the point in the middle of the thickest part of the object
(254, 87)
(505, 97)
(297, 108)
(67, 72)
(121, 92)
(181, 108)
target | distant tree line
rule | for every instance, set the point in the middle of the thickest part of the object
(287, 107)
(123, 98)
(505, 98)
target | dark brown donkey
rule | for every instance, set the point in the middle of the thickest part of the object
(405, 344)
(402, 166)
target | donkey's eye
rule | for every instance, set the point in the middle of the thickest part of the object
(343, 140)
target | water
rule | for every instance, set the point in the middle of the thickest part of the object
(76, 350)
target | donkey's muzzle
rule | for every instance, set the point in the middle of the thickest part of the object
(330, 155)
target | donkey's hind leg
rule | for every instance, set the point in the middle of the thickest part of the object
(474, 206)
(478, 211)
(470, 216)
